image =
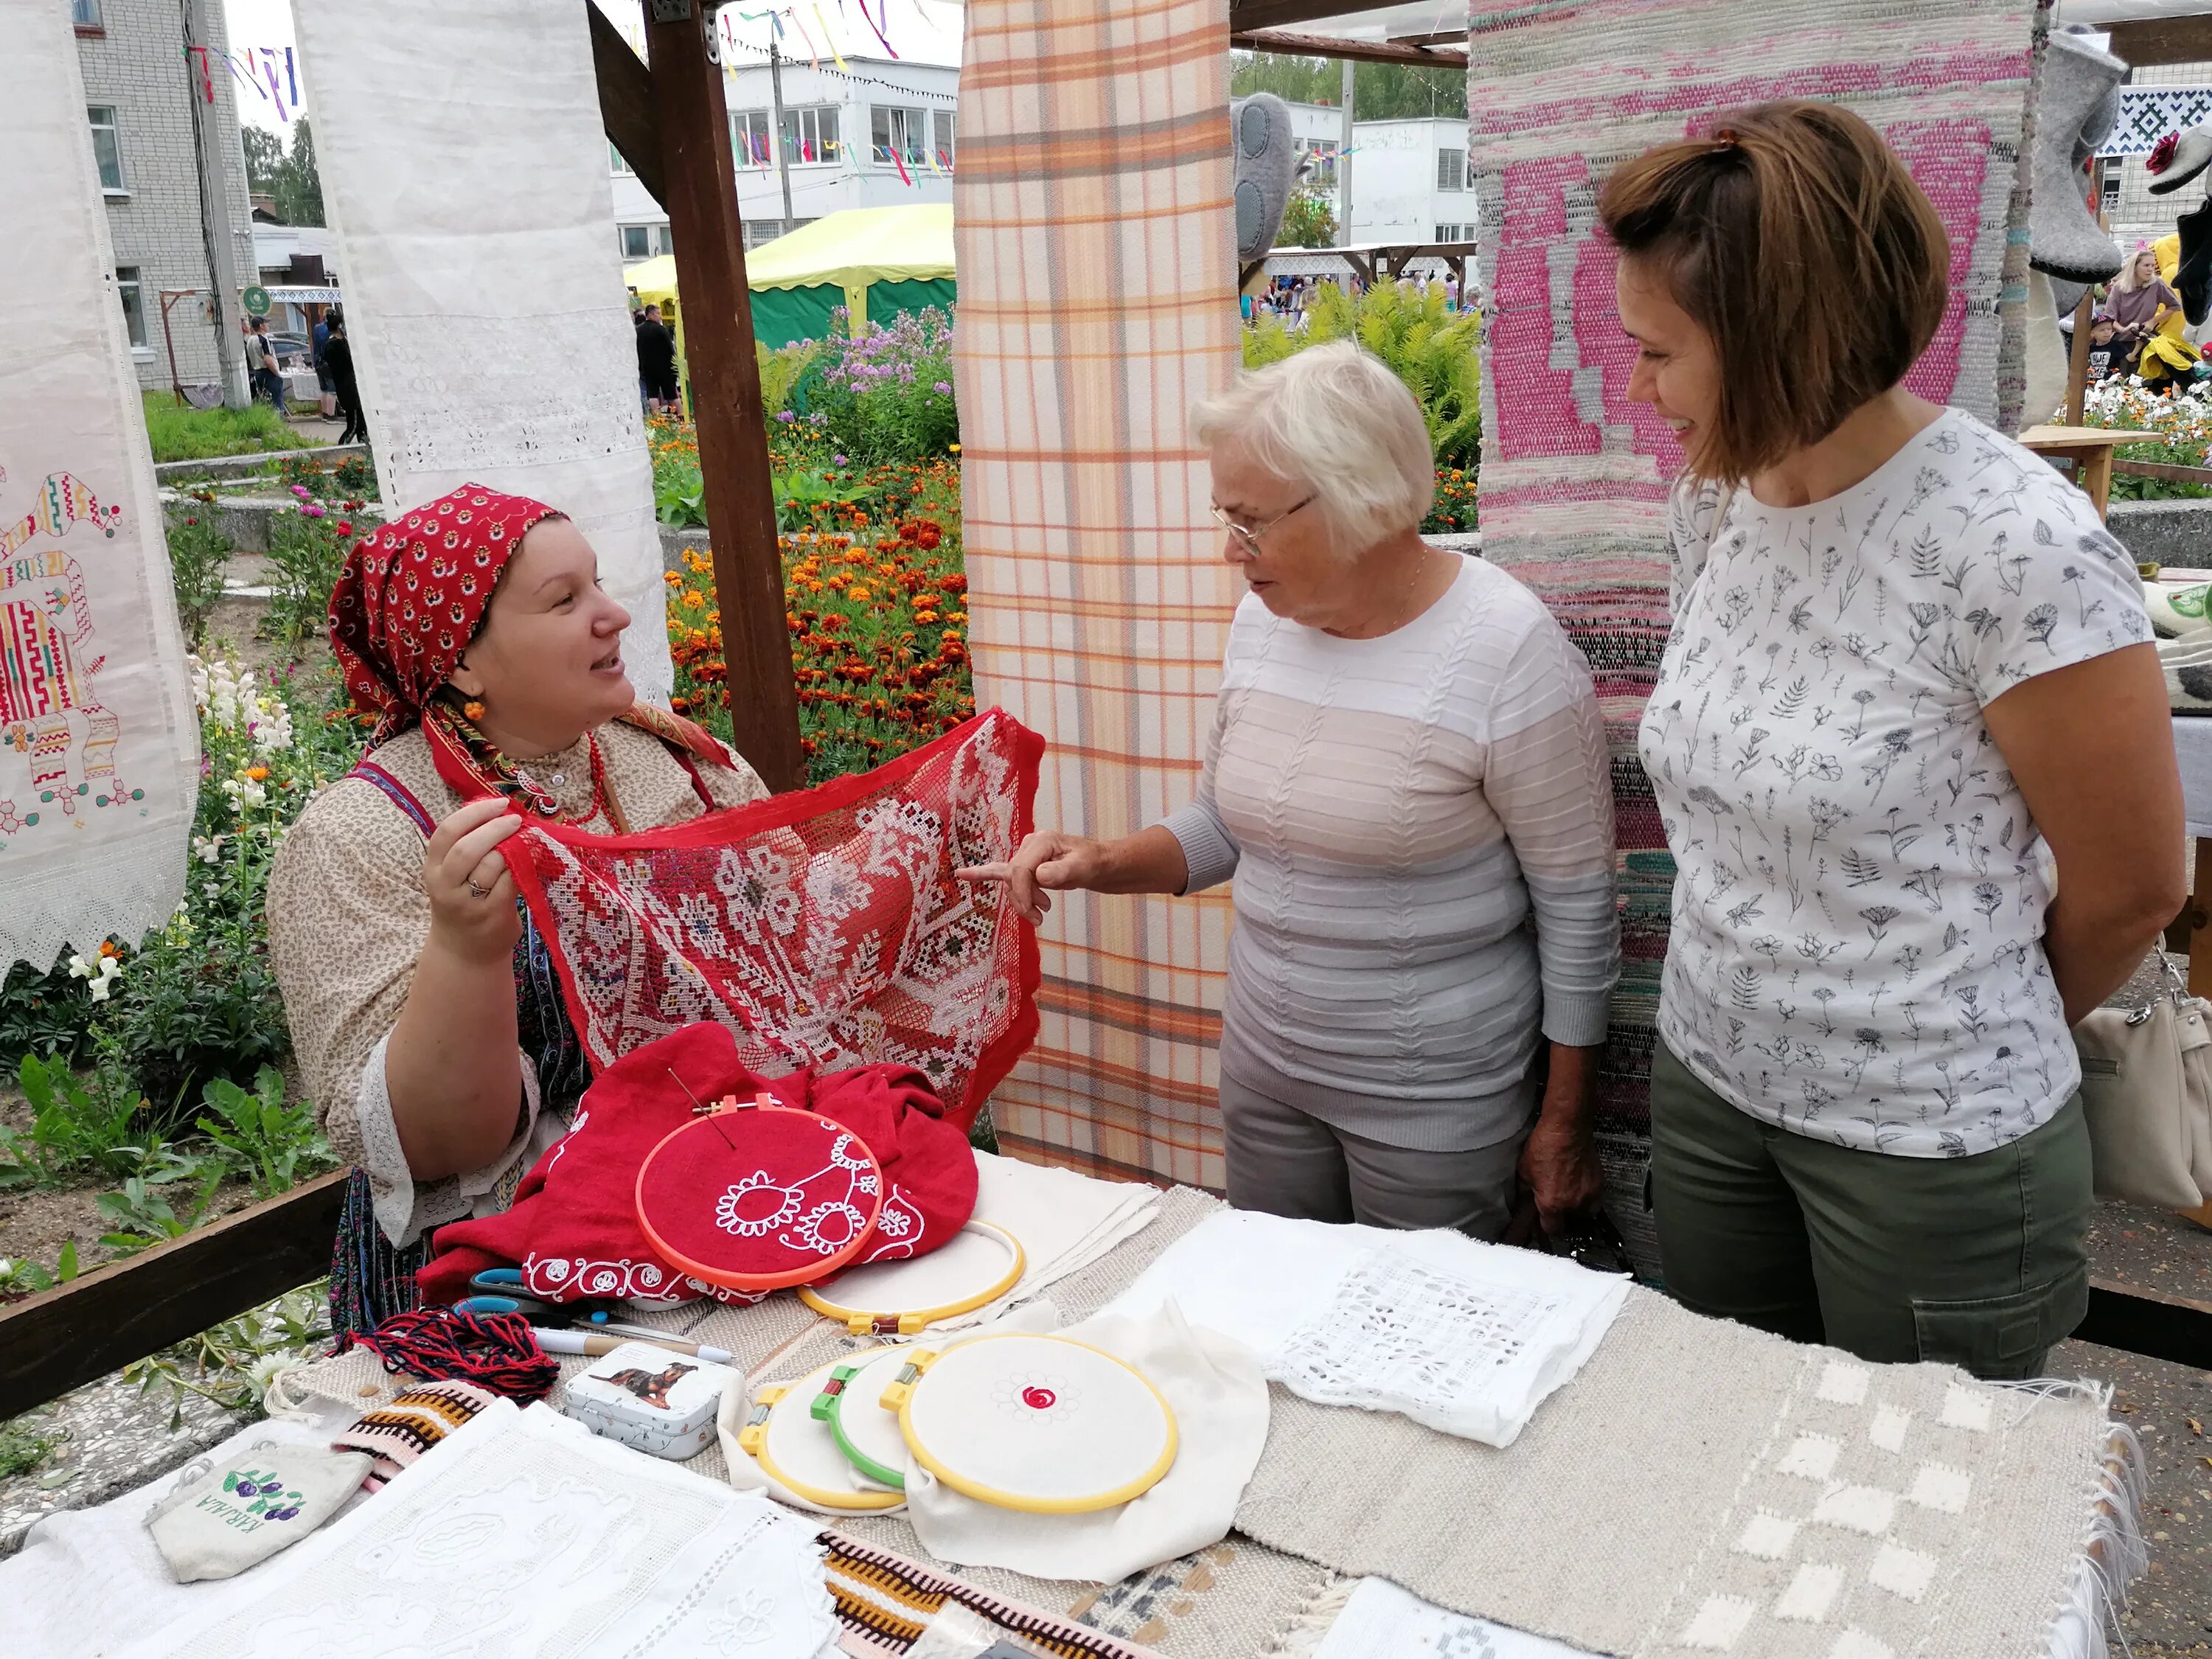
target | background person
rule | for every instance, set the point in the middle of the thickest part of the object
(656, 361)
(1904, 653)
(269, 374)
(338, 355)
(1406, 769)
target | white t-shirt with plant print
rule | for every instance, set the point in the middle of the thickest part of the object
(1858, 912)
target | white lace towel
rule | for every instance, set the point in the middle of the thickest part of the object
(1465, 1337)
(1381, 1621)
(487, 314)
(522, 1535)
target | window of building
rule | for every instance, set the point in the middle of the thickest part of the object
(133, 304)
(810, 135)
(106, 147)
(2111, 196)
(85, 14)
(748, 137)
(615, 164)
(1319, 157)
(895, 128)
(1451, 169)
(636, 242)
(664, 239)
(945, 135)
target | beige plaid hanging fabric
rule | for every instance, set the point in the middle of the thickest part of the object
(1097, 306)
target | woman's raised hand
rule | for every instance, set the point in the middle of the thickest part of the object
(471, 891)
(1046, 861)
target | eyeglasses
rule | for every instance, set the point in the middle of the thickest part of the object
(1248, 536)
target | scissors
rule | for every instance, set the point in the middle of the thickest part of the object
(500, 1291)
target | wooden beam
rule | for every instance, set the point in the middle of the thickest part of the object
(2170, 473)
(2158, 1326)
(1250, 16)
(2164, 41)
(74, 1333)
(1359, 52)
(701, 200)
(626, 103)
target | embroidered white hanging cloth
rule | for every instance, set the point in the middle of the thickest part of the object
(523, 1535)
(1381, 1621)
(464, 169)
(99, 748)
(1465, 1337)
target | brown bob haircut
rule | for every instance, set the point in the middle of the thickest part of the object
(1797, 241)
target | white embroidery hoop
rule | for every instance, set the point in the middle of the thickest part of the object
(796, 1451)
(976, 1265)
(1041, 1423)
(866, 1434)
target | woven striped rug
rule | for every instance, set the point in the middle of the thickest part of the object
(1574, 477)
(1096, 306)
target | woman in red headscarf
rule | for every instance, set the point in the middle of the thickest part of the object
(423, 1005)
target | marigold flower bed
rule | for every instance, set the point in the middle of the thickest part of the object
(876, 602)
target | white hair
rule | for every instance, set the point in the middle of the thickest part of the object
(1334, 419)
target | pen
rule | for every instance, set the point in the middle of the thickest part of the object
(555, 1341)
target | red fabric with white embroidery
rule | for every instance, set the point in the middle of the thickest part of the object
(825, 927)
(573, 1228)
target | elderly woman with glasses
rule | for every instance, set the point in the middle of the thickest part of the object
(1407, 778)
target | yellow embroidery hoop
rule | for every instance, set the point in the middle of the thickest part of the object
(862, 1321)
(769, 1404)
(900, 1396)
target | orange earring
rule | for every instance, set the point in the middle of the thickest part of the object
(473, 709)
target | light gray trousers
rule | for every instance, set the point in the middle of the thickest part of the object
(1289, 1163)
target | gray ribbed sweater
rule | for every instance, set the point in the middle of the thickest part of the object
(1398, 812)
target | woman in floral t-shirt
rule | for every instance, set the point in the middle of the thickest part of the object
(1910, 742)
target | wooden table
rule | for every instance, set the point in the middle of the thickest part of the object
(2090, 449)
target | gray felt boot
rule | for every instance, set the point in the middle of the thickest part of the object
(2063, 238)
(1266, 161)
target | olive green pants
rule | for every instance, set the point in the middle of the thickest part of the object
(1978, 1261)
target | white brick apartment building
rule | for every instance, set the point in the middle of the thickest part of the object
(138, 85)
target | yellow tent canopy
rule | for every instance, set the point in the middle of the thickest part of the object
(875, 262)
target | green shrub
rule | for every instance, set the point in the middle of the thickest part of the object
(271, 1141)
(306, 548)
(198, 434)
(44, 1014)
(197, 551)
(886, 396)
(1435, 351)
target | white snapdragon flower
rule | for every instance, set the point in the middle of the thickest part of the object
(208, 850)
(100, 975)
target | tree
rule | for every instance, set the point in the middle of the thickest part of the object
(1380, 91)
(289, 178)
(1310, 221)
(265, 154)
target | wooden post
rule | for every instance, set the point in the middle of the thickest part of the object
(700, 178)
(2077, 367)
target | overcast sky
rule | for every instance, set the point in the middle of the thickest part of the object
(927, 31)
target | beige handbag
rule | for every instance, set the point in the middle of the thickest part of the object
(2146, 1092)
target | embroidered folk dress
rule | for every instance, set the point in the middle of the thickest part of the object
(1857, 944)
(348, 918)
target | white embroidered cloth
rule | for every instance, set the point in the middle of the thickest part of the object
(523, 1535)
(1213, 1386)
(464, 169)
(1381, 1621)
(1465, 1337)
(99, 748)
(1064, 1221)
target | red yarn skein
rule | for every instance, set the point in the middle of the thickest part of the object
(496, 1352)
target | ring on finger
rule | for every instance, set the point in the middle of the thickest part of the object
(476, 891)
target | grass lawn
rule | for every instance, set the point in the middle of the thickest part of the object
(179, 434)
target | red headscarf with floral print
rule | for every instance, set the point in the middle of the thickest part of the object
(408, 602)
(412, 596)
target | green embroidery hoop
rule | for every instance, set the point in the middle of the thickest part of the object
(828, 1407)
